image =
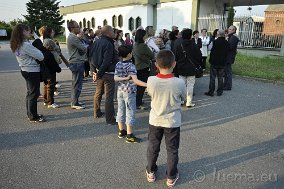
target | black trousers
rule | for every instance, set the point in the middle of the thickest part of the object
(203, 62)
(143, 76)
(87, 68)
(219, 72)
(172, 139)
(33, 84)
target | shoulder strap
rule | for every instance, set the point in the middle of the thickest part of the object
(187, 57)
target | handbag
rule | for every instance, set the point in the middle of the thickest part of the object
(197, 68)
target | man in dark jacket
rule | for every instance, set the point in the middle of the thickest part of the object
(233, 42)
(103, 58)
(188, 56)
(218, 59)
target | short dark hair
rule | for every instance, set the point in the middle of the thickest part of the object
(195, 32)
(124, 50)
(165, 59)
(139, 36)
(71, 24)
(186, 34)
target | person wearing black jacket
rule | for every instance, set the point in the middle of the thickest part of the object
(217, 60)
(50, 67)
(233, 42)
(103, 58)
(188, 56)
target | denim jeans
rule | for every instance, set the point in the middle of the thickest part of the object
(105, 85)
(172, 139)
(33, 84)
(77, 70)
(219, 72)
(126, 103)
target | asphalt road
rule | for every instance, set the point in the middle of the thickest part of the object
(234, 141)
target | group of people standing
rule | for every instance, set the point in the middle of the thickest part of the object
(164, 65)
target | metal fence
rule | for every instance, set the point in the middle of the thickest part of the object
(253, 31)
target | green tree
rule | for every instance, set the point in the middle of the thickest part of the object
(44, 13)
(231, 14)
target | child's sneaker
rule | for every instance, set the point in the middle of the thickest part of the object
(151, 177)
(133, 139)
(122, 133)
(172, 182)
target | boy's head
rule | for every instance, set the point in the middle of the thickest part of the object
(124, 51)
(165, 59)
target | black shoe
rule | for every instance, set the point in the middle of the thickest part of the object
(100, 114)
(37, 120)
(122, 133)
(219, 94)
(208, 94)
(133, 139)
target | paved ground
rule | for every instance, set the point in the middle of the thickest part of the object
(230, 142)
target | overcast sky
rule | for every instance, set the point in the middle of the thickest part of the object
(13, 9)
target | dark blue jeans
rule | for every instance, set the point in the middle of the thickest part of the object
(172, 139)
(228, 76)
(219, 72)
(33, 84)
(77, 81)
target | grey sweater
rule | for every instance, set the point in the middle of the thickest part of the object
(166, 96)
(27, 55)
(76, 49)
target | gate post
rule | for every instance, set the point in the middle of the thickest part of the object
(282, 46)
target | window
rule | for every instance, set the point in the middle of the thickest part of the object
(80, 24)
(138, 22)
(93, 23)
(131, 24)
(84, 22)
(89, 24)
(120, 21)
(114, 21)
(105, 22)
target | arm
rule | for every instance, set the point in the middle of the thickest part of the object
(30, 50)
(137, 81)
(78, 44)
(151, 43)
(116, 78)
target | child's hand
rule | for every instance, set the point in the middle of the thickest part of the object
(129, 77)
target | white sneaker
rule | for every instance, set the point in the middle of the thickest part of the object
(78, 107)
(45, 104)
(56, 93)
(57, 85)
(191, 105)
(53, 106)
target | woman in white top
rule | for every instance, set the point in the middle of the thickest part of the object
(204, 49)
(28, 58)
(150, 42)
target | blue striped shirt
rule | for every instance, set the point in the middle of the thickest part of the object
(124, 69)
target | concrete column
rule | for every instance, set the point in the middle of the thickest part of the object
(282, 46)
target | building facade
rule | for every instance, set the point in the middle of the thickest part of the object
(129, 14)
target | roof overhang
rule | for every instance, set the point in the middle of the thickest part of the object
(102, 4)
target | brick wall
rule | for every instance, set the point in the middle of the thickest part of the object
(274, 23)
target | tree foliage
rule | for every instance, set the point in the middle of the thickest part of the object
(231, 14)
(44, 13)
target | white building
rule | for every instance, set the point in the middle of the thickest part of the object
(129, 14)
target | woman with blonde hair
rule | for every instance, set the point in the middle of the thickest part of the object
(151, 43)
(28, 58)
